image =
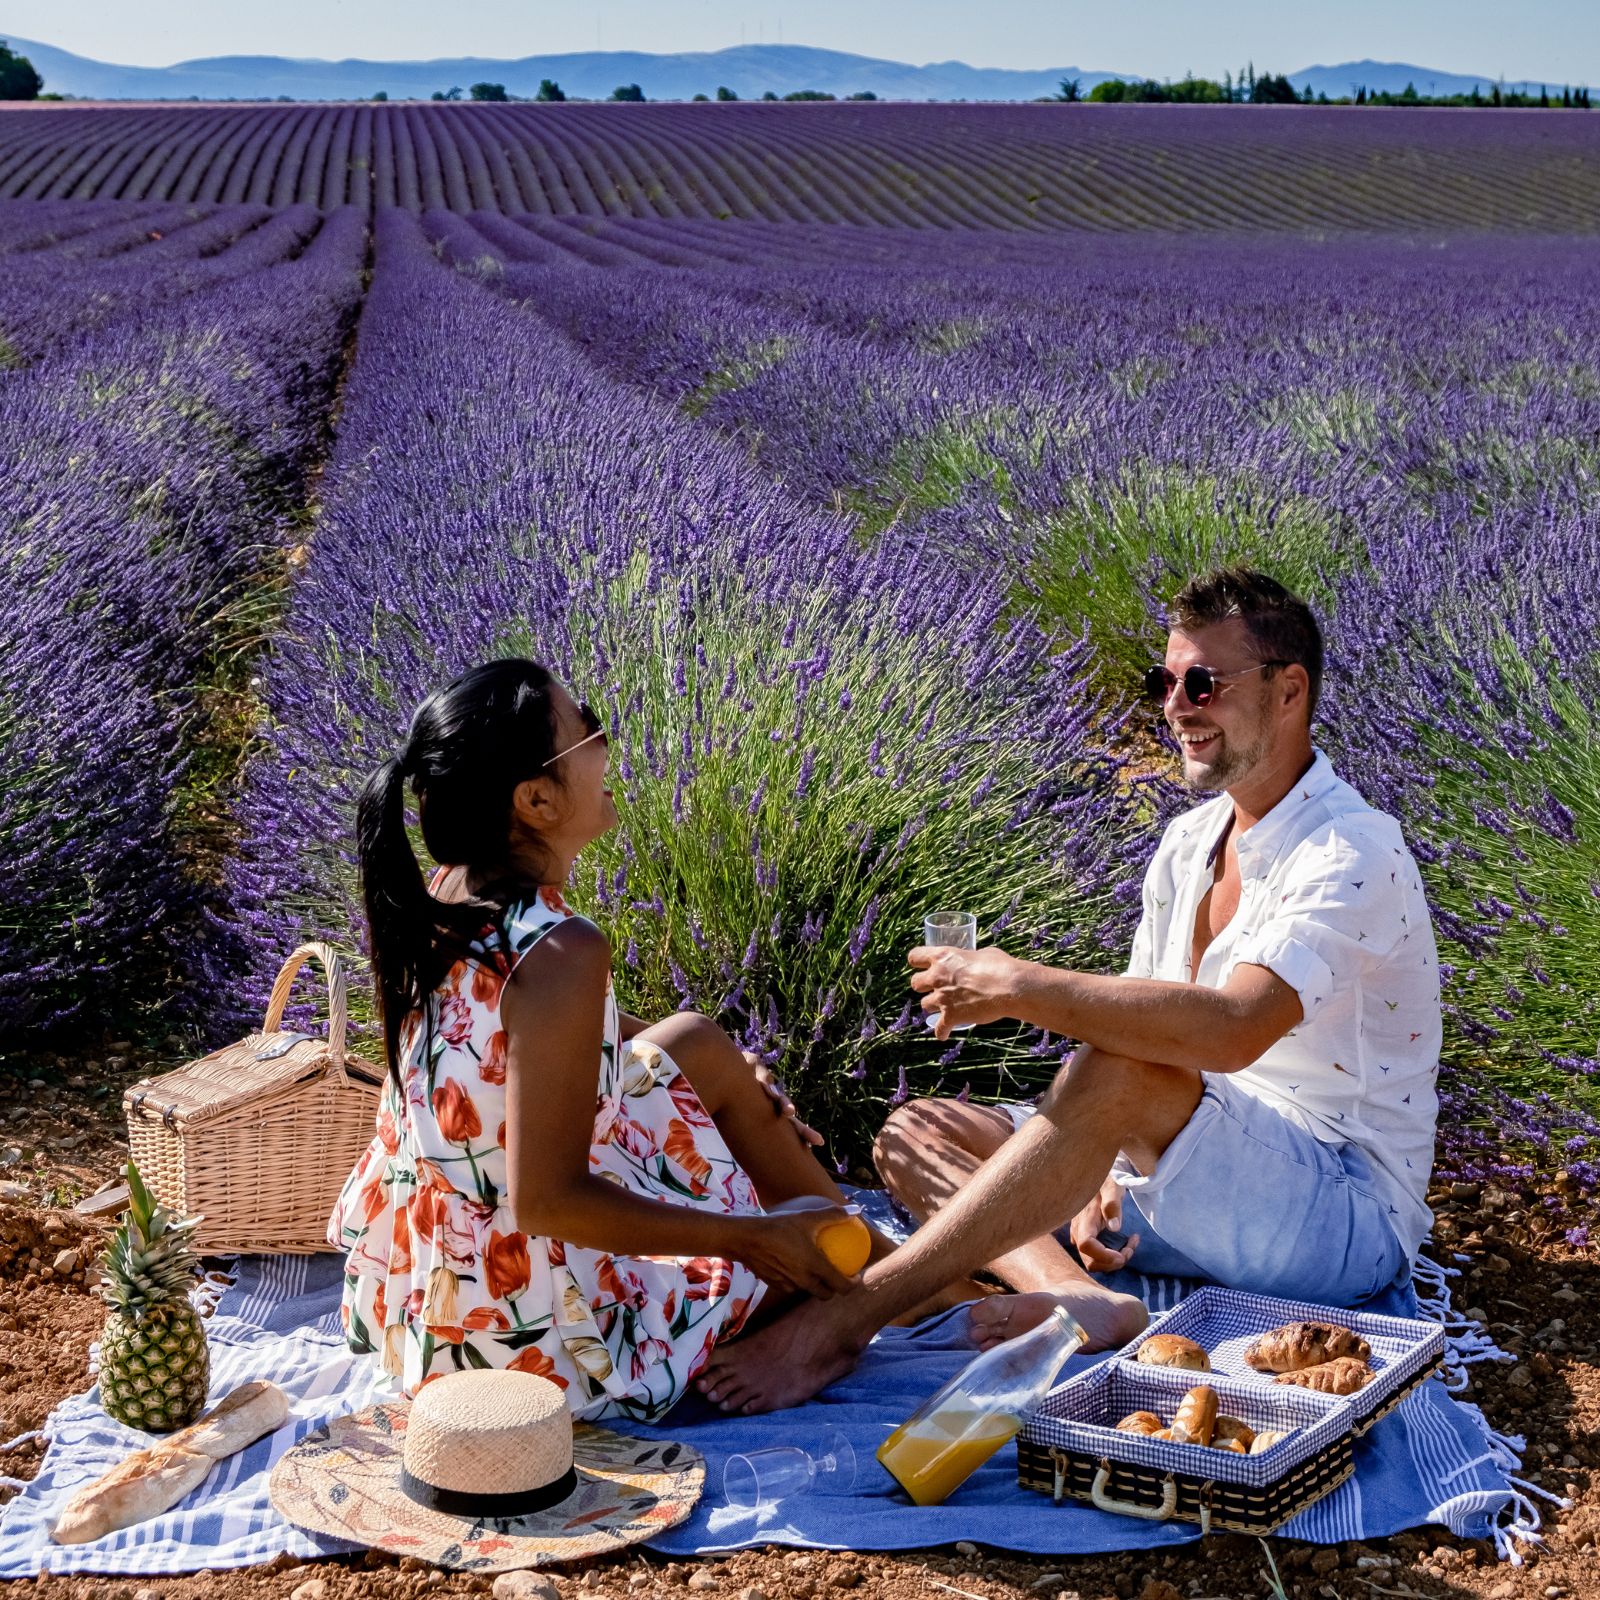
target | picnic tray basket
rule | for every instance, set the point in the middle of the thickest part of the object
(1069, 1447)
(258, 1137)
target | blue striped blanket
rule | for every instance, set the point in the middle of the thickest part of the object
(1433, 1459)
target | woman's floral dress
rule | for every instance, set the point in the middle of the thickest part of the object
(439, 1278)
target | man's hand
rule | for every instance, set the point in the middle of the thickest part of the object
(782, 1105)
(964, 986)
(1102, 1212)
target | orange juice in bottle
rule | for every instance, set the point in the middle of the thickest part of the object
(949, 1437)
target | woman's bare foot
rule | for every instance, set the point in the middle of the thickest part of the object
(1109, 1319)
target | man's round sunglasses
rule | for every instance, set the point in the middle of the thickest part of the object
(1200, 684)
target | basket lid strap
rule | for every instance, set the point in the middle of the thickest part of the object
(338, 999)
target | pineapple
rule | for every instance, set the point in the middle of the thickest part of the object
(155, 1368)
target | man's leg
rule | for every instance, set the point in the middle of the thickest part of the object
(926, 1153)
(1098, 1105)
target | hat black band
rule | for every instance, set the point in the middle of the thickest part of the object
(458, 1503)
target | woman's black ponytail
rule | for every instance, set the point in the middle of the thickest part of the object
(470, 745)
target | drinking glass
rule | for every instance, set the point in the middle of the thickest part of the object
(955, 930)
(763, 1477)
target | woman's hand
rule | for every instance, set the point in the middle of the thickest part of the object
(782, 1105)
(782, 1251)
(1102, 1212)
(963, 986)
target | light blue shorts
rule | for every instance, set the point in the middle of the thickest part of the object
(1247, 1198)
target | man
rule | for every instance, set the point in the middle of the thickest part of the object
(1254, 1101)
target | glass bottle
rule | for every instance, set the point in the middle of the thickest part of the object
(950, 1436)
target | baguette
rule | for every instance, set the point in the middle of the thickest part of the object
(154, 1480)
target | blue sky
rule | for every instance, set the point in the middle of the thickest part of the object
(1537, 39)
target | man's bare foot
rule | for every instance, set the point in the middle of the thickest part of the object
(783, 1364)
(952, 1295)
(1109, 1319)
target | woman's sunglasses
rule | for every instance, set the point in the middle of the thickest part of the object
(596, 730)
(1200, 684)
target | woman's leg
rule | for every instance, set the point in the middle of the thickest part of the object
(762, 1139)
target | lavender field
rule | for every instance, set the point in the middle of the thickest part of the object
(1093, 169)
(858, 532)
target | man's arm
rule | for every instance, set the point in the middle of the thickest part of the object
(1174, 1024)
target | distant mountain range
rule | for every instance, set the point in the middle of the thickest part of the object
(749, 70)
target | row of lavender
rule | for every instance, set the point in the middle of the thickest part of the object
(1095, 169)
(1419, 451)
(157, 418)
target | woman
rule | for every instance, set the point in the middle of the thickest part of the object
(554, 1186)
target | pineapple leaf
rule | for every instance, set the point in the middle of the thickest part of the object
(140, 1201)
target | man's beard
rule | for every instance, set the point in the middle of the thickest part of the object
(1229, 768)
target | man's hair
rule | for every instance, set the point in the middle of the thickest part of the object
(1280, 624)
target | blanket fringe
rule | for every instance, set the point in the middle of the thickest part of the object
(1514, 1518)
(209, 1290)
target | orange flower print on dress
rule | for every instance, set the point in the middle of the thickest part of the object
(553, 899)
(429, 1208)
(500, 1137)
(689, 1103)
(488, 981)
(492, 1068)
(486, 1319)
(455, 1113)
(534, 1360)
(388, 1133)
(506, 1266)
(400, 1250)
(681, 1147)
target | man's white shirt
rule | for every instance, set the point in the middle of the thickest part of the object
(1331, 901)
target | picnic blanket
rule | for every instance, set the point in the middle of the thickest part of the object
(1433, 1459)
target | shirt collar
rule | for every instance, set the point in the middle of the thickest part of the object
(1266, 837)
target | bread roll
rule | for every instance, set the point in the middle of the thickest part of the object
(1146, 1422)
(1171, 1350)
(1265, 1440)
(1237, 1446)
(1196, 1418)
(1230, 1428)
(154, 1480)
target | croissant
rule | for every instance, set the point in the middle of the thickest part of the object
(1231, 1429)
(1305, 1344)
(1196, 1416)
(1146, 1422)
(1342, 1376)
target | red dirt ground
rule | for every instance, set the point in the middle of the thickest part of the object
(62, 1137)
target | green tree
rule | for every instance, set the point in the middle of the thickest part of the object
(1071, 89)
(768, 95)
(1273, 89)
(725, 93)
(861, 94)
(631, 92)
(700, 99)
(452, 93)
(549, 89)
(808, 94)
(489, 91)
(382, 94)
(19, 80)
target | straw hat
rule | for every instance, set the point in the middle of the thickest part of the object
(484, 1471)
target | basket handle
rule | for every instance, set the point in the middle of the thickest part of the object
(338, 1001)
(1128, 1508)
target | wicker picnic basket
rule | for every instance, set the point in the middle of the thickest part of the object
(1070, 1447)
(258, 1137)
